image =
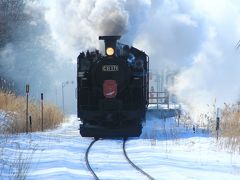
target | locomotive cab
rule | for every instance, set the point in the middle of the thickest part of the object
(112, 90)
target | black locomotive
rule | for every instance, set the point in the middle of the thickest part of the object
(112, 90)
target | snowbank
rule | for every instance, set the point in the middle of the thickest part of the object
(59, 154)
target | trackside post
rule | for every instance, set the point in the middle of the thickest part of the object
(218, 122)
(30, 121)
(42, 109)
(27, 94)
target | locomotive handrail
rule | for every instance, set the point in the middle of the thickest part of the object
(159, 97)
(147, 81)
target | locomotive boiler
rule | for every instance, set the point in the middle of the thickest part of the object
(112, 90)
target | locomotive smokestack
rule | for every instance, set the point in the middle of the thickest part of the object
(110, 44)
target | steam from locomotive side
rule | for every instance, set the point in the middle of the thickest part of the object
(189, 37)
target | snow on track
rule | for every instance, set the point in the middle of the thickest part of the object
(60, 155)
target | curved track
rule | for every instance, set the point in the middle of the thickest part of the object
(125, 154)
(87, 162)
(134, 165)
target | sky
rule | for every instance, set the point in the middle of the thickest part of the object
(195, 38)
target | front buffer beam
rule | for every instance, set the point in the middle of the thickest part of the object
(103, 132)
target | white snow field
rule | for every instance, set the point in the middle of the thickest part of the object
(172, 153)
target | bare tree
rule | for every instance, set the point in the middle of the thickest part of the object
(238, 45)
(11, 15)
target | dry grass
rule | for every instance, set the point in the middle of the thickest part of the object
(15, 107)
(230, 127)
(229, 132)
(15, 159)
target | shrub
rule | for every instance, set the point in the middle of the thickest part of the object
(230, 126)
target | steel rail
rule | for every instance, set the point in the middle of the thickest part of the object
(134, 165)
(87, 162)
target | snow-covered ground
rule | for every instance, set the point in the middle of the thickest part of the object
(172, 153)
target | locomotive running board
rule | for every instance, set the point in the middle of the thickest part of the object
(102, 132)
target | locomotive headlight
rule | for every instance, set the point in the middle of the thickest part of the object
(109, 51)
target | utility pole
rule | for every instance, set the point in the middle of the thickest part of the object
(63, 85)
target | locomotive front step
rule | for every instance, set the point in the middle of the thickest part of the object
(103, 132)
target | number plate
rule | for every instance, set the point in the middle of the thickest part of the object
(110, 68)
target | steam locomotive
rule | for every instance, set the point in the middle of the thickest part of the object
(112, 90)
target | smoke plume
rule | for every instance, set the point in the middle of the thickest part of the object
(194, 38)
(75, 26)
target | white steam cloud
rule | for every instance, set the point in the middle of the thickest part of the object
(196, 38)
(214, 69)
(193, 37)
(76, 24)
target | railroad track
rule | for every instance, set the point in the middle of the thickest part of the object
(134, 165)
(87, 162)
(125, 154)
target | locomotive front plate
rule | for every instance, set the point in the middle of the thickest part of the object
(110, 68)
